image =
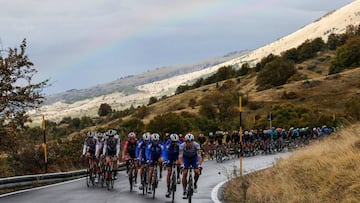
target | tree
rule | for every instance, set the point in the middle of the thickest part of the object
(18, 94)
(104, 109)
(169, 122)
(141, 112)
(347, 55)
(275, 73)
(152, 100)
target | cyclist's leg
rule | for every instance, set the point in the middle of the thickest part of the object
(136, 167)
(114, 160)
(184, 174)
(195, 165)
(151, 171)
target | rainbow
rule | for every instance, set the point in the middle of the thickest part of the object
(112, 42)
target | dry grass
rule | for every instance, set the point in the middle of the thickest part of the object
(324, 172)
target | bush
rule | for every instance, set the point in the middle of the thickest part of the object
(275, 73)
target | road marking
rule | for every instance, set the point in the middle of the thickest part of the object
(215, 190)
(39, 188)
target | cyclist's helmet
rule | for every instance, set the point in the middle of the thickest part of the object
(155, 137)
(132, 135)
(111, 133)
(189, 137)
(90, 134)
(174, 137)
(146, 136)
(100, 135)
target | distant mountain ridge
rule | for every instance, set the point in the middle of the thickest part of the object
(136, 90)
(127, 85)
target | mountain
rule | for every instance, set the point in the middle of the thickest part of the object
(136, 90)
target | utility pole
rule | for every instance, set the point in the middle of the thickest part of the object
(44, 144)
(240, 134)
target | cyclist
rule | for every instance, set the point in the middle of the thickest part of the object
(172, 155)
(154, 153)
(141, 153)
(99, 149)
(189, 155)
(129, 152)
(111, 149)
(89, 150)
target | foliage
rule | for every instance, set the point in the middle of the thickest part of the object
(104, 109)
(347, 56)
(152, 100)
(275, 73)
(192, 103)
(141, 112)
(352, 108)
(133, 125)
(169, 122)
(221, 106)
(18, 93)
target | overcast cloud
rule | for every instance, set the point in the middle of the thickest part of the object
(82, 43)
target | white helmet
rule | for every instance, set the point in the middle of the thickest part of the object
(146, 136)
(111, 132)
(155, 137)
(99, 135)
(174, 137)
(189, 137)
(90, 134)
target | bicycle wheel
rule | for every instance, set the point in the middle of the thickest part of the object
(173, 185)
(102, 176)
(131, 177)
(144, 181)
(154, 185)
(190, 188)
(108, 177)
(88, 176)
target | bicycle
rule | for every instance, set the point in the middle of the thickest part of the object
(109, 175)
(173, 181)
(155, 180)
(190, 185)
(102, 173)
(144, 181)
(90, 178)
(131, 174)
(218, 154)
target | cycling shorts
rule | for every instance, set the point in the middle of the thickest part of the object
(191, 162)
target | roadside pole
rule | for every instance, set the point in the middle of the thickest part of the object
(240, 133)
(44, 144)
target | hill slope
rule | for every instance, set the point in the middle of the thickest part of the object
(142, 88)
(325, 172)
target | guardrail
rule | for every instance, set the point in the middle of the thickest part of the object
(40, 179)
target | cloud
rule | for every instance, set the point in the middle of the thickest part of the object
(131, 36)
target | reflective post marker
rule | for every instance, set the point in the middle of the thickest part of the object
(44, 144)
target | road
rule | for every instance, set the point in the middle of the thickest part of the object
(77, 191)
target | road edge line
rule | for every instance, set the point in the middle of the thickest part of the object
(39, 188)
(215, 190)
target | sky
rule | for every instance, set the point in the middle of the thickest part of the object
(82, 43)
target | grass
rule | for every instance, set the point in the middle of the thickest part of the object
(324, 172)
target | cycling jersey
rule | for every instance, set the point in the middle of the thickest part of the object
(190, 154)
(171, 152)
(154, 152)
(111, 147)
(89, 146)
(130, 149)
(140, 152)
